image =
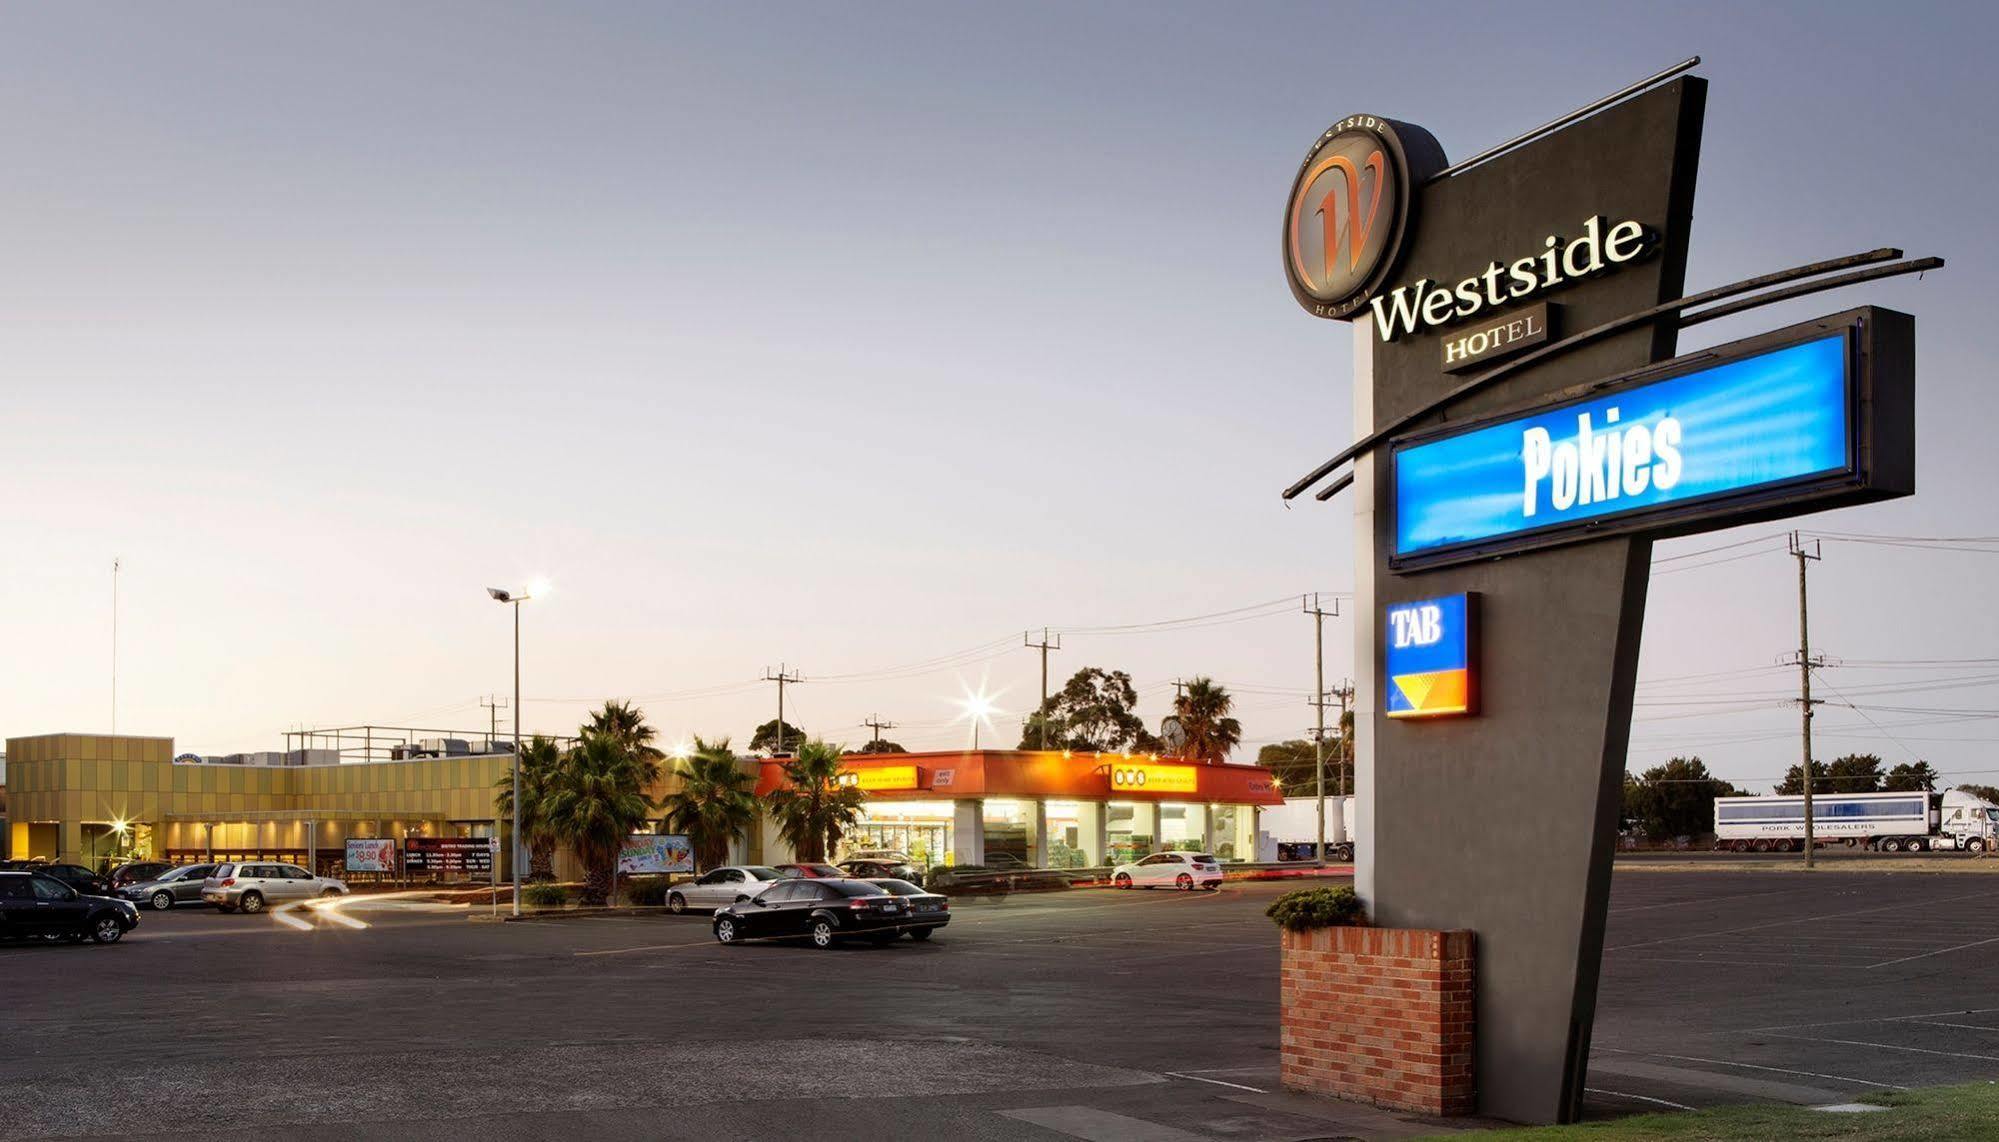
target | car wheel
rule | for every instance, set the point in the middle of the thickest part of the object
(252, 902)
(1122, 880)
(1184, 883)
(1918, 845)
(822, 933)
(725, 931)
(107, 930)
(331, 892)
(920, 933)
(1891, 845)
(1974, 845)
(162, 901)
(676, 903)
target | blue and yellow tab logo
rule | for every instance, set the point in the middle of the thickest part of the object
(1428, 657)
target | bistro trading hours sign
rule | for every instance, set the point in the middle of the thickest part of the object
(450, 855)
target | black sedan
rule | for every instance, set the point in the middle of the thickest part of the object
(928, 911)
(34, 906)
(822, 910)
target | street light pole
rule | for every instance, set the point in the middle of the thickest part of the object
(514, 841)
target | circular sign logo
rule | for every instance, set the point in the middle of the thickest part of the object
(1350, 209)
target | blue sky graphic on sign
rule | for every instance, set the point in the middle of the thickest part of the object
(1428, 652)
(1764, 420)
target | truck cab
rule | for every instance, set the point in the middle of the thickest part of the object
(1966, 821)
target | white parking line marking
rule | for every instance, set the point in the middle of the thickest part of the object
(1806, 920)
(1890, 1047)
(647, 948)
(1753, 1067)
(1873, 1019)
(1638, 1097)
(1938, 952)
(1217, 1082)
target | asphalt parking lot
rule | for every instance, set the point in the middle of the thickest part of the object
(1091, 1014)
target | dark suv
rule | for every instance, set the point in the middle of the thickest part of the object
(35, 906)
(74, 875)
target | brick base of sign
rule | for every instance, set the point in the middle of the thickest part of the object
(1380, 1015)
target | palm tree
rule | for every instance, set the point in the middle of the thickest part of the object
(539, 761)
(627, 723)
(812, 807)
(1203, 711)
(714, 802)
(600, 799)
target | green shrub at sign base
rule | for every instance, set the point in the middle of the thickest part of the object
(1310, 908)
(545, 895)
(645, 891)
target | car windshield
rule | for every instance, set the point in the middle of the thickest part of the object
(762, 873)
(900, 888)
(858, 888)
(1205, 858)
(224, 870)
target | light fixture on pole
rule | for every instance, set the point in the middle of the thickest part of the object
(513, 857)
(978, 707)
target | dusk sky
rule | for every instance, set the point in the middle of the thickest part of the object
(861, 339)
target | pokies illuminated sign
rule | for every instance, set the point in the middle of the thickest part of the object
(1805, 415)
(1144, 777)
(1430, 648)
(882, 777)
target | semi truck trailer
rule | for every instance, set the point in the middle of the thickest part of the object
(1888, 822)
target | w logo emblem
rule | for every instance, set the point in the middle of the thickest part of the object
(1348, 211)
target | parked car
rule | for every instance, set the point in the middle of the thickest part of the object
(809, 870)
(896, 855)
(181, 885)
(928, 911)
(74, 875)
(132, 872)
(1006, 861)
(969, 880)
(34, 906)
(824, 911)
(878, 869)
(721, 886)
(251, 886)
(1174, 869)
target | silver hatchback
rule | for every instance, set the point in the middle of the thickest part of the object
(254, 885)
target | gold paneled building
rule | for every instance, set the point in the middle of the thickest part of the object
(83, 798)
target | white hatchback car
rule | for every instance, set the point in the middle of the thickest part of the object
(1175, 870)
(721, 887)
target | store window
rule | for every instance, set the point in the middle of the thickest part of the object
(1228, 843)
(1120, 824)
(1066, 845)
(920, 829)
(1008, 825)
(1182, 827)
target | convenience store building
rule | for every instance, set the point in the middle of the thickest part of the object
(1043, 808)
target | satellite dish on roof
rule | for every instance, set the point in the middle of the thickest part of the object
(1172, 735)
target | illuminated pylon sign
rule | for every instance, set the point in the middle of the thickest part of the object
(1431, 657)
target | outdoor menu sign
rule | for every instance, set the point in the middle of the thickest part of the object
(456, 855)
(373, 854)
(655, 852)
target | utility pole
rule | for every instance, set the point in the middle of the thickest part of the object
(783, 678)
(1310, 605)
(1345, 759)
(1044, 646)
(494, 704)
(1805, 664)
(116, 563)
(875, 723)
